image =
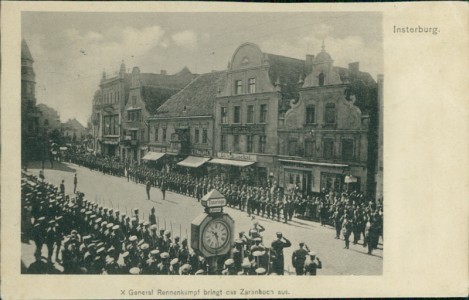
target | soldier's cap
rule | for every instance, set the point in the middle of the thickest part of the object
(83, 210)
(174, 261)
(161, 230)
(229, 262)
(312, 253)
(123, 215)
(200, 272)
(74, 231)
(88, 212)
(109, 260)
(52, 222)
(186, 267)
(100, 244)
(133, 238)
(41, 219)
(258, 253)
(241, 273)
(146, 223)
(153, 227)
(82, 247)
(141, 242)
(125, 254)
(155, 252)
(302, 244)
(115, 227)
(144, 246)
(97, 258)
(134, 271)
(253, 231)
(167, 232)
(117, 212)
(92, 245)
(257, 239)
(93, 216)
(105, 209)
(260, 271)
(110, 225)
(98, 220)
(100, 250)
(111, 249)
(100, 207)
(134, 219)
(246, 263)
(37, 225)
(86, 237)
(184, 240)
(87, 254)
(104, 223)
(111, 210)
(164, 255)
(279, 234)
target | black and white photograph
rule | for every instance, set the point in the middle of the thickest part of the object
(228, 143)
(208, 147)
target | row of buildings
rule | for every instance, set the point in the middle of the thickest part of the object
(303, 124)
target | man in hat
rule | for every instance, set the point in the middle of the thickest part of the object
(229, 267)
(152, 217)
(148, 188)
(312, 264)
(278, 245)
(75, 183)
(299, 257)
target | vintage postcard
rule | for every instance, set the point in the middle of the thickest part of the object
(209, 147)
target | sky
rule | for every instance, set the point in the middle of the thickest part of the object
(72, 49)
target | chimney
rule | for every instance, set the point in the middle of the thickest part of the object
(309, 63)
(354, 67)
(164, 72)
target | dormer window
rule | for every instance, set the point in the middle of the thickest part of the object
(321, 79)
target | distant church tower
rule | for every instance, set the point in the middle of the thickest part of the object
(28, 77)
(30, 149)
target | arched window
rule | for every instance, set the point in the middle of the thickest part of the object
(330, 113)
(321, 79)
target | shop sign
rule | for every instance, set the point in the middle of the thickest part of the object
(238, 156)
(201, 152)
(243, 129)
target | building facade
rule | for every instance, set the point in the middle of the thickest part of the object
(247, 110)
(324, 136)
(146, 94)
(379, 164)
(183, 127)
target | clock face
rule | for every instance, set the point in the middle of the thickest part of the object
(216, 235)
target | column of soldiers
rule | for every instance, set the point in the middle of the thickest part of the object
(363, 220)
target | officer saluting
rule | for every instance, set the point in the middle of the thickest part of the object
(278, 245)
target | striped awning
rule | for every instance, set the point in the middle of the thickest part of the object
(193, 161)
(153, 155)
(231, 162)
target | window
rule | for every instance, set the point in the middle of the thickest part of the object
(164, 134)
(196, 136)
(263, 113)
(133, 134)
(250, 114)
(321, 79)
(347, 149)
(292, 145)
(238, 87)
(262, 140)
(236, 147)
(223, 142)
(237, 114)
(309, 148)
(252, 85)
(328, 148)
(157, 134)
(249, 143)
(224, 115)
(310, 114)
(204, 136)
(330, 113)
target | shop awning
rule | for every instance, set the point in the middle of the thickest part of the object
(231, 162)
(153, 155)
(193, 161)
(313, 163)
(350, 179)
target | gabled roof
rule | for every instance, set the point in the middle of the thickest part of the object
(198, 98)
(287, 71)
(175, 81)
(25, 53)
